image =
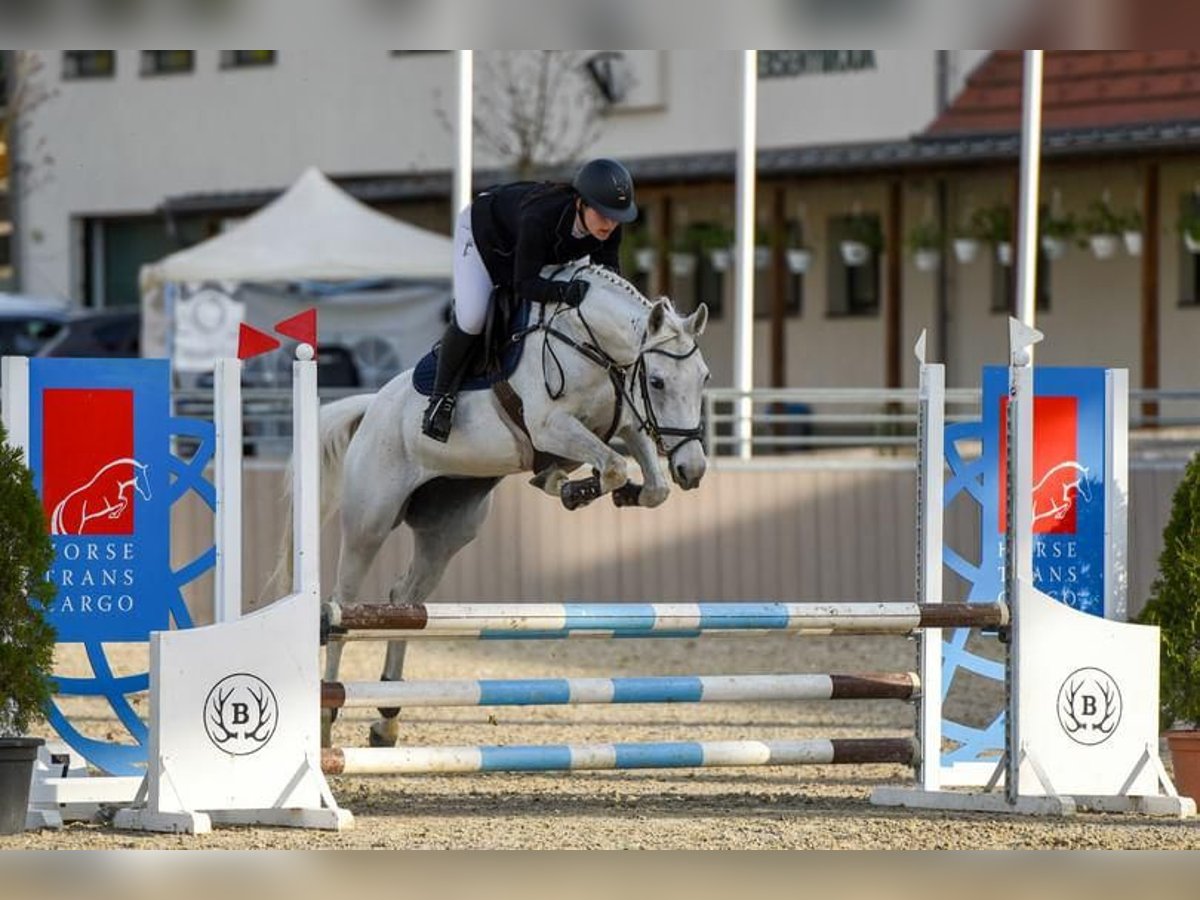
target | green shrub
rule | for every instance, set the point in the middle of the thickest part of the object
(26, 638)
(1174, 604)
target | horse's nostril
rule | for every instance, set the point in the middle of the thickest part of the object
(683, 475)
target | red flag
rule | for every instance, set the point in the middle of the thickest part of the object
(301, 327)
(252, 342)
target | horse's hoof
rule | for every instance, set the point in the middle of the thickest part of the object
(627, 495)
(375, 739)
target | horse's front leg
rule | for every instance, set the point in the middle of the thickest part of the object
(551, 480)
(656, 487)
(564, 435)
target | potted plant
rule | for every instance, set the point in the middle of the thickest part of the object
(925, 243)
(1057, 233)
(1189, 227)
(1104, 227)
(683, 256)
(1131, 231)
(637, 246)
(864, 238)
(993, 224)
(799, 258)
(1173, 607)
(714, 240)
(966, 244)
(26, 639)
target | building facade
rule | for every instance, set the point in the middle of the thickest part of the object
(154, 150)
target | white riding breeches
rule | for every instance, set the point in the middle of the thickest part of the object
(472, 283)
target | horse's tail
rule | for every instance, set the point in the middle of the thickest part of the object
(338, 423)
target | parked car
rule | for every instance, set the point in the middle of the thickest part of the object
(27, 323)
(97, 333)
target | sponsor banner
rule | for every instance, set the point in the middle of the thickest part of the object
(1069, 485)
(100, 452)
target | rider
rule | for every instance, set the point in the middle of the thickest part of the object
(503, 240)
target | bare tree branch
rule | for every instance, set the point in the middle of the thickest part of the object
(535, 109)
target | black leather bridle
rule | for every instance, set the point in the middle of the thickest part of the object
(620, 375)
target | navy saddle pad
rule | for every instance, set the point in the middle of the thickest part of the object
(426, 369)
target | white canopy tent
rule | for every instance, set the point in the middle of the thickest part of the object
(312, 232)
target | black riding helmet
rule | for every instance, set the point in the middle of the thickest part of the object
(605, 186)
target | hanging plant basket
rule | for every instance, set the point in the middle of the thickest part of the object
(1004, 253)
(855, 253)
(1055, 248)
(798, 260)
(1192, 243)
(762, 257)
(927, 260)
(966, 250)
(645, 259)
(721, 258)
(1133, 242)
(1104, 246)
(683, 264)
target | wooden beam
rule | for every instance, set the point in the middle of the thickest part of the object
(665, 225)
(1150, 287)
(892, 300)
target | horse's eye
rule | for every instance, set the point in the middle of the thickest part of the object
(657, 382)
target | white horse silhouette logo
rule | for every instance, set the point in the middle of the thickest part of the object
(1055, 494)
(106, 494)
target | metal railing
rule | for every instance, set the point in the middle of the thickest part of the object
(793, 427)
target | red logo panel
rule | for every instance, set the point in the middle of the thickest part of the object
(1058, 479)
(89, 474)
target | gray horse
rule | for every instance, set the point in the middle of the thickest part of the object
(617, 365)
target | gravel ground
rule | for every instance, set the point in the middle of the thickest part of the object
(813, 807)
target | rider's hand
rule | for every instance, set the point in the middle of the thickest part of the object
(573, 292)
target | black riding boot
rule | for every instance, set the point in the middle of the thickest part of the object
(453, 355)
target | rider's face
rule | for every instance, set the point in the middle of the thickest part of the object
(598, 226)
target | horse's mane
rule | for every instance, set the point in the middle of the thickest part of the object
(597, 272)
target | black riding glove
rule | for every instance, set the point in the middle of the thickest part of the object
(572, 292)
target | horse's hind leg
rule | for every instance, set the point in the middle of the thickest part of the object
(445, 515)
(376, 512)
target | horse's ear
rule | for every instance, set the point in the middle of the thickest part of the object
(658, 314)
(696, 321)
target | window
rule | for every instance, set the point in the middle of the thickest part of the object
(78, 64)
(1189, 261)
(853, 290)
(167, 62)
(242, 59)
(1004, 283)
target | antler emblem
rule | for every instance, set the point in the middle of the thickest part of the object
(1089, 706)
(240, 714)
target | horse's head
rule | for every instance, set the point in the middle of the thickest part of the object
(141, 480)
(661, 347)
(672, 375)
